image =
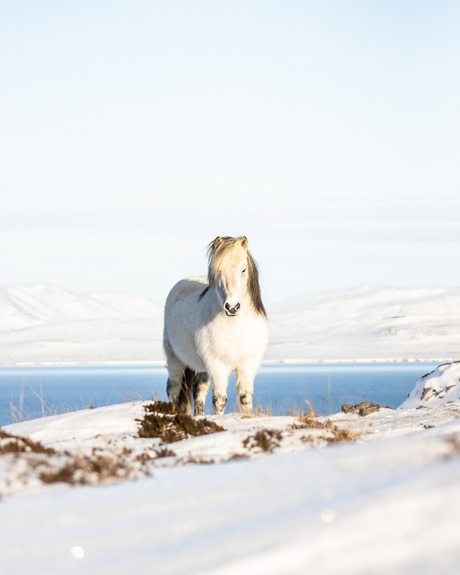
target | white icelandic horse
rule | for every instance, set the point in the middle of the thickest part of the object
(215, 325)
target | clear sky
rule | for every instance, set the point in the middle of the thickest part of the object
(134, 132)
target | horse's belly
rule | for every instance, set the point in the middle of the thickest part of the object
(180, 332)
(186, 351)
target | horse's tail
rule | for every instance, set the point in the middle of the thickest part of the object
(186, 390)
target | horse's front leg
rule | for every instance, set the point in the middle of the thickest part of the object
(219, 375)
(245, 389)
(200, 391)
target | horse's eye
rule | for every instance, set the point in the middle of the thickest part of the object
(244, 270)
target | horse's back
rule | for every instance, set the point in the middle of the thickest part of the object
(183, 289)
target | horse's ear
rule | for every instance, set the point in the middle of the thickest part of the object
(244, 242)
(216, 242)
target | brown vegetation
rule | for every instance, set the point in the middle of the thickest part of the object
(309, 421)
(80, 470)
(364, 408)
(15, 444)
(264, 439)
(171, 424)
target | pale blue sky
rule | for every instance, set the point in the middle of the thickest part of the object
(132, 133)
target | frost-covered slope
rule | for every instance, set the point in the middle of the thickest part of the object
(369, 322)
(44, 323)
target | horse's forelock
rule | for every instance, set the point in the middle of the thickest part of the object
(223, 256)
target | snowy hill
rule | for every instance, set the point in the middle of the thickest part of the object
(45, 324)
(369, 322)
(41, 304)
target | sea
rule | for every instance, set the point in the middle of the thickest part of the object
(280, 389)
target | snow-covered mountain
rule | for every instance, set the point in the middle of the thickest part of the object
(368, 322)
(40, 304)
(45, 324)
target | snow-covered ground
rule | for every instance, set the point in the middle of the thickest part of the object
(388, 501)
(45, 325)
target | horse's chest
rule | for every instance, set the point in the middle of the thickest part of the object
(228, 341)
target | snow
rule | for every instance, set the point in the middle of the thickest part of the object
(441, 386)
(388, 502)
(367, 323)
(44, 324)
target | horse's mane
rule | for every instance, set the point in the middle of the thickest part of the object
(222, 259)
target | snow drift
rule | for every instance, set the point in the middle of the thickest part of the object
(436, 388)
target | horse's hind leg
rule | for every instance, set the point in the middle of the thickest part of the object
(176, 371)
(186, 393)
(200, 391)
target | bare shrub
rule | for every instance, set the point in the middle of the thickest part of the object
(264, 439)
(165, 452)
(309, 421)
(15, 444)
(80, 470)
(171, 424)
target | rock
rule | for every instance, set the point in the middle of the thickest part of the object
(426, 390)
(364, 408)
(368, 410)
(346, 408)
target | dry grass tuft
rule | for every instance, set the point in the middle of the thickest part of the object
(165, 452)
(309, 421)
(194, 460)
(171, 424)
(261, 411)
(81, 470)
(163, 407)
(15, 444)
(265, 440)
(236, 456)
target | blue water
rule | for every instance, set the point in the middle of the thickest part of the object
(278, 387)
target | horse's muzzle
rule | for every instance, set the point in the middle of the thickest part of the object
(231, 311)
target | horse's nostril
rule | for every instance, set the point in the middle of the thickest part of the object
(232, 310)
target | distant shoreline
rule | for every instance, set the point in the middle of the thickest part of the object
(265, 363)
